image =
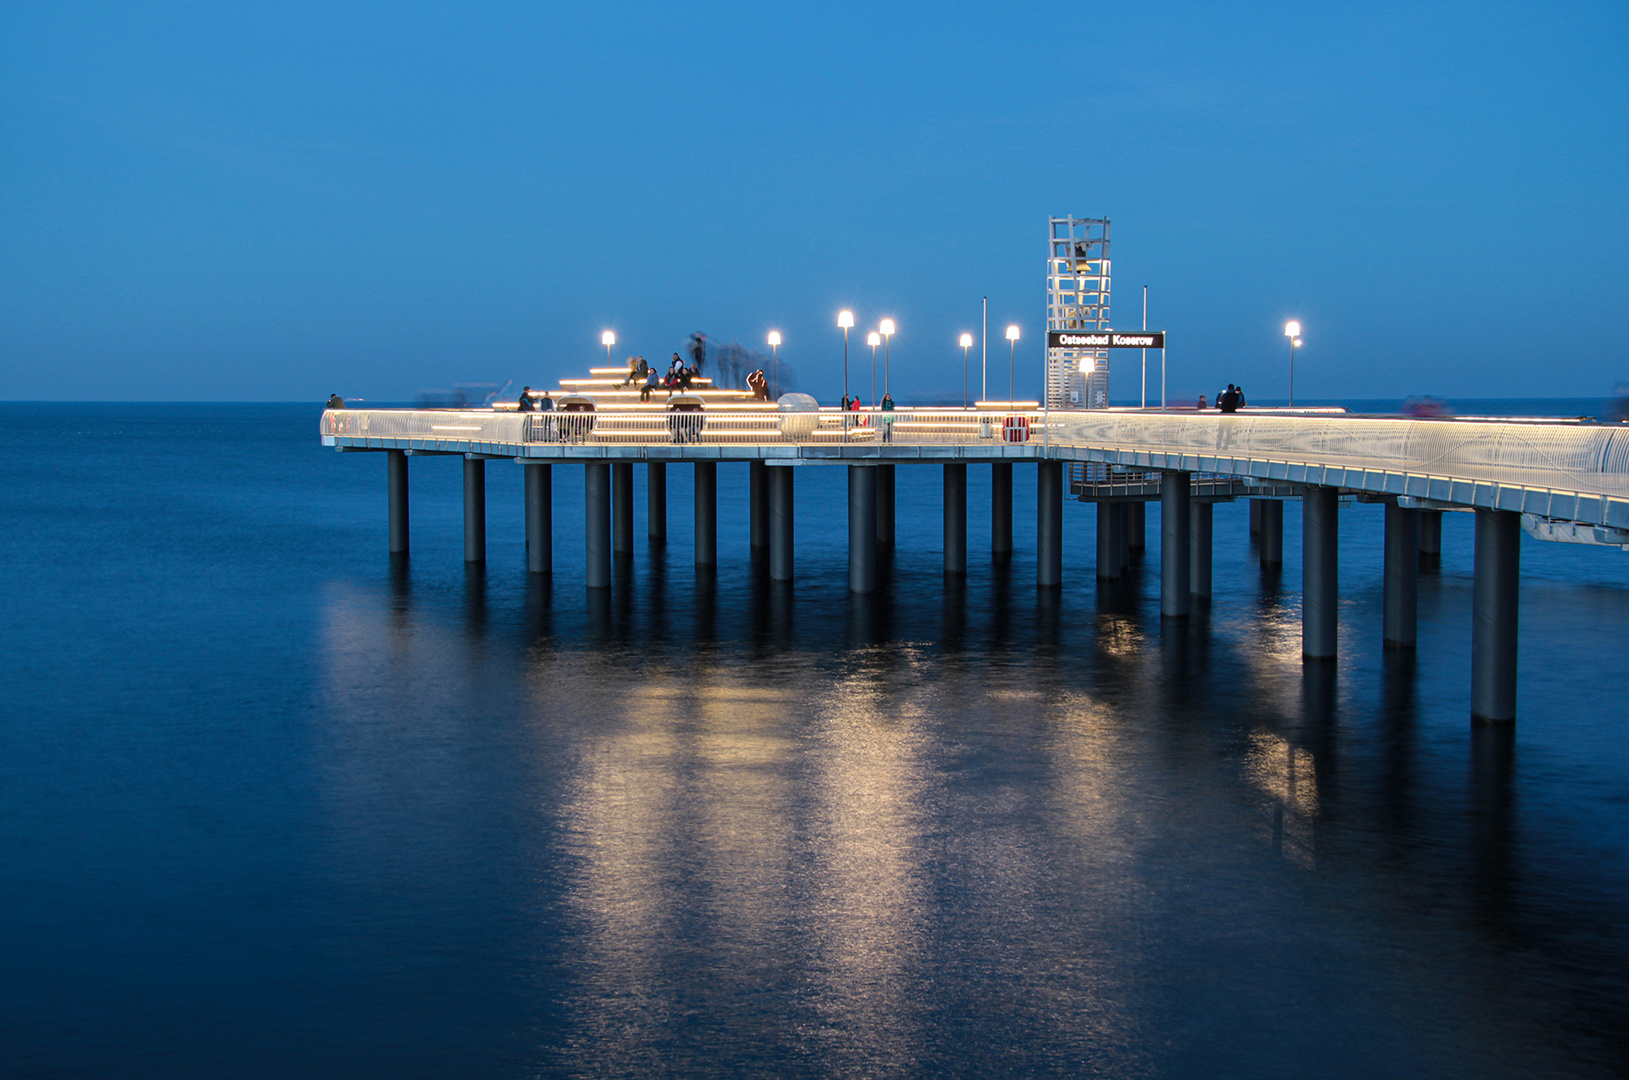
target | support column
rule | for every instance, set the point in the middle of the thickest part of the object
(1201, 516)
(622, 507)
(1430, 536)
(758, 492)
(885, 505)
(1122, 532)
(1137, 526)
(1320, 591)
(1402, 577)
(706, 513)
(862, 528)
(1493, 615)
(597, 526)
(396, 497)
(656, 501)
(1108, 544)
(539, 485)
(1048, 523)
(1272, 531)
(1176, 490)
(474, 510)
(1001, 510)
(955, 519)
(780, 522)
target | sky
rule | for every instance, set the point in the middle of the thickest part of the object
(279, 202)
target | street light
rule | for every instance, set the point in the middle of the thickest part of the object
(887, 329)
(1292, 330)
(845, 319)
(608, 339)
(775, 363)
(1012, 362)
(873, 339)
(966, 343)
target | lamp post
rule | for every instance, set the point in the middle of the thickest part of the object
(608, 339)
(845, 319)
(1012, 362)
(1292, 330)
(966, 343)
(873, 339)
(887, 329)
(775, 363)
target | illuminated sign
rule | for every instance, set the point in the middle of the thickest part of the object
(1105, 339)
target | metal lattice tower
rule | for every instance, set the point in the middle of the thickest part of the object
(1077, 298)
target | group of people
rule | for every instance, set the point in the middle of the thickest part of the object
(886, 407)
(1229, 400)
(678, 377)
(530, 404)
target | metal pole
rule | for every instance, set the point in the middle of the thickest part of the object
(1292, 373)
(1402, 577)
(396, 497)
(1175, 581)
(622, 507)
(1145, 351)
(873, 375)
(474, 510)
(1201, 516)
(862, 528)
(887, 365)
(780, 522)
(775, 371)
(955, 487)
(1494, 601)
(845, 384)
(1012, 372)
(656, 501)
(1320, 595)
(539, 518)
(1001, 509)
(1163, 355)
(1049, 523)
(597, 530)
(885, 505)
(758, 494)
(964, 376)
(984, 354)
(1272, 532)
(1108, 547)
(706, 513)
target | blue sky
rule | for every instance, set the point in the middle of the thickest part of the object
(210, 202)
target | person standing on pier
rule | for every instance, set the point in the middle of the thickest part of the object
(525, 404)
(887, 418)
(698, 350)
(335, 401)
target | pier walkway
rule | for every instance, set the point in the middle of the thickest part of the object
(1560, 480)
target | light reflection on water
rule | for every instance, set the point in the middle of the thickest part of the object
(880, 837)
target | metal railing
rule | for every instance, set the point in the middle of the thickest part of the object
(650, 427)
(1586, 458)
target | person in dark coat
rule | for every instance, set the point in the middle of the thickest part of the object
(1229, 401)
(335, 401)
(525, 399)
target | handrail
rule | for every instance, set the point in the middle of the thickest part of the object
(1588, 459)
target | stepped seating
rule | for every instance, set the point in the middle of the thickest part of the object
(605, 386)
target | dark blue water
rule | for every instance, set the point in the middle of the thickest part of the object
(270, 808)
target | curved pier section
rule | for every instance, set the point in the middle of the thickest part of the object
(1559, 480)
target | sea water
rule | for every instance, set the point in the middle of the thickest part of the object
(271, 805)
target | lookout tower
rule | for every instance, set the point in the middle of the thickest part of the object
(1077, 298)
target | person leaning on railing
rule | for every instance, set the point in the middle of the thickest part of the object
(335, 401)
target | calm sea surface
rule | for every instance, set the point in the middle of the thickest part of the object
(268, 808)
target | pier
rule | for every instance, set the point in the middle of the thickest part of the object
(1560, 480)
